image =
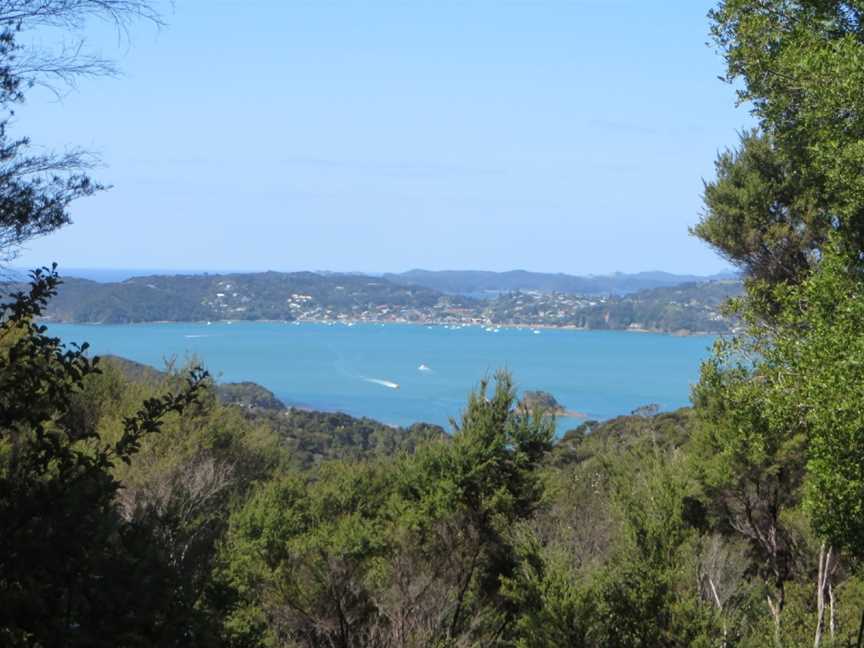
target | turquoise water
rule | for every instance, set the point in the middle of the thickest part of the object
(600, 373)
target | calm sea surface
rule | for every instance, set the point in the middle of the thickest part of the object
(602, 374)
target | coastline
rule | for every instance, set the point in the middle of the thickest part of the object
(436, 323)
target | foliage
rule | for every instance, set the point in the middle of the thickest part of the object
(408, 552)
(313, 437)
(776, 200)
(249, 395)
(780, 404)
(761, 214)
(69, 563)
(822, 347)
(752, 452)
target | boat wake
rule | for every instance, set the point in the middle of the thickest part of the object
(384, 383)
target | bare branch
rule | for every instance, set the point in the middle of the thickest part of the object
(73, 14)
(52, 70)
(36, 188)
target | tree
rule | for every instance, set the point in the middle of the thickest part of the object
(788, 207)
(37, 188)
(645, 595)
(761, 215)
(751, 453)
(821, 348)
(800, 66)
(72, 571)
(411, 551)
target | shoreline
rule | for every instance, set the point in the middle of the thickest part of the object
(347, 322)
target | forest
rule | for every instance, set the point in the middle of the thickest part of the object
(158, 508)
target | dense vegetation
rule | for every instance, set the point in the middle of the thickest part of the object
(137, 509)
(249, 395)
(309, 437)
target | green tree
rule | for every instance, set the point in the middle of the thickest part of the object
(820, 348)
(73, 572)
(751, 451)
(763, 215)
(781, 406)
(800, 66)
(411, 551)
(646, 594)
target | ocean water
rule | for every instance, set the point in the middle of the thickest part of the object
(348, 368)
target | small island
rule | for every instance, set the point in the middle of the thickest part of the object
(546, 404)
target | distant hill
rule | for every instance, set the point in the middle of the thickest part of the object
(685, 308)
(313, 297)
(477, 282)
(310, 436)
(688, 308)
(253, 296)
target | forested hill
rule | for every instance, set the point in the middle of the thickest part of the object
(309, 296)
(308, 437)
(688, 308)
(253, 296)
(477, 282)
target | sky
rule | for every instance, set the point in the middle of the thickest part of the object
(547, 135)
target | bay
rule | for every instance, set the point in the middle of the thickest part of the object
(352, 368)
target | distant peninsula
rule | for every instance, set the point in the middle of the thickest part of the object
(684, 308)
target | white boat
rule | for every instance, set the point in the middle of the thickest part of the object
(423, 367)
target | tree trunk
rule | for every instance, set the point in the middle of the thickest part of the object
(821, 581)
(719, 609)
(775, 614)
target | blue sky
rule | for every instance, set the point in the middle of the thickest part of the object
(383, 135)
